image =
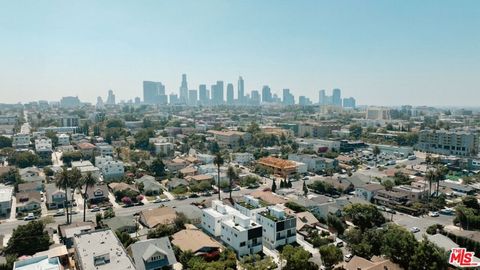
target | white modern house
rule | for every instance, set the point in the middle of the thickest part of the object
(242, 234)
(5, 200)
(250, 206)
(279, 229)
(212, 217)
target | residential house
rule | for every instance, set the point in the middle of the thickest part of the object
(30, 187)
(28, 201)
(188, 171)
(55, 197)
(5, 200)
(63, 139)
(368, 191)
(279, 228)
(87, 149)
(68, 231)
(176, 182)
(97, 194)
(306, 219)
(213, 216)
(152, 254)
(104, 149)
(100, 250)
(31, 174)
(242, 234)
(85, 166)
(375, 263)
(126, 224)
(150, 185)
(315, 163)
(153, 217)
(197, 179)
(203, 245)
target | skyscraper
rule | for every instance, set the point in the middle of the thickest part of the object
(266, 94)
(337, 97)
(230, 94)
(203, 94)
(184, 89)
(217, 93)
(154, 93)
(322, 99)
(349, 102)
(192, 97)
(288, 98)
(255, 97)
(110, 98)
(241, 90)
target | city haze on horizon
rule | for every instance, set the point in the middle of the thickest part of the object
(419, 53)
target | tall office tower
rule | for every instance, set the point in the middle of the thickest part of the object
(349, 102)
(304, 101)
(337, 97)
(184, 89)
(230, 94)
(288, 98)
(137, 100)
(266, 94)
(217, 93)
(241, 90)
(110, 98)
(192, 97)
(322, 97)
(151, 92)
(255, 97)
(100, 104)
(174, 99)
(202, 93)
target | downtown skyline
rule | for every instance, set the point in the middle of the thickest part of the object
(383, 53)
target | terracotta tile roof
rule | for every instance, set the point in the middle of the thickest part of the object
(277, 162)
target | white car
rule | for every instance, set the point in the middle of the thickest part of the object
(434, 214)
(95, 209)
(30, 216)
(348, 257)
(414, 229)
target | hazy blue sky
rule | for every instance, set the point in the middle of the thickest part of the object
(381, 52)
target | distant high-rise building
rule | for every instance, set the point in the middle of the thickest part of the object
(184, 89)
(266, 94)
(110, 98)
(230, 94)
(69, 102)
(137, 100)
(304, 101)
(154, 92)
(100, 104)
(255, 97)
(349, 102)
(203, 94)
(241, 90)
(217, 93)
(337, 97)
(192, 97)
(288, 98)
(322, 97)
(174, 99)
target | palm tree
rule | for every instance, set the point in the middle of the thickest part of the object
(440, 173)
(430, 176)
(232, 174)
(62, 181)
(218, 160)
(75, 182)
(89, 181)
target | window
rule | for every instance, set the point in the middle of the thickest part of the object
(242, 244)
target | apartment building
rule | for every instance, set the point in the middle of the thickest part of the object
(111, 169)
(317, 130)
(21, 140)
(448, 142)
(230, 138)
(279, 166)
(315, 163)
(279, 229)
(250, 206)
(213, 216)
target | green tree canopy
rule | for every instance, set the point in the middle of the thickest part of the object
(28, 239)
(365, 216)
(330, 255)
(297, 258)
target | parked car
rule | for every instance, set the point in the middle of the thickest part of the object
(414, 229)
(182, 197)
(389, 210)
(30, 216)
(193, 195)
(59, 213)
(348, 257)
(434, 214)
(95, 209)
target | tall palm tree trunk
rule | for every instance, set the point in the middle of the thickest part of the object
(85, 197)
(66, 204)
(218, 182)
(230, 187)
